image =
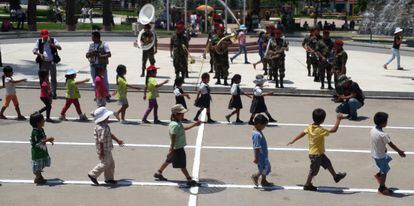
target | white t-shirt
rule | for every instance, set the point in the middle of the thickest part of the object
(379, 141)
(233, 90)
(47, 51)
(9, 85)
(94, 47)
(177, 91)
(257, 91)
(203, 88)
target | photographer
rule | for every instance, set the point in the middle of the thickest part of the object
(47, 56)
(98, 55)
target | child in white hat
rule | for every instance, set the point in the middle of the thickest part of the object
(258, 102)
(104, 146)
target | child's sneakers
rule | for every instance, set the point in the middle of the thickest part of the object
(338, 177)
(385, 191)
(160, 177)
(191, 183)
(63, 118)
(3, 117)
(82, 117)
(93, 179)
(266, 184)
(21, 117)
(255, 180)
(112, 182)
(310, 187)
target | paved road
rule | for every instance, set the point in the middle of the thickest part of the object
(225, 157)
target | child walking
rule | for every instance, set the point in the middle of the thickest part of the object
(121, 92)
(38, 140)
(235, 101)
(379, 141)
(204, 98)
(260, 152)
(100, 87)
(72, 95)
(10, 85)
(180, 94)
(104, 146)
(258, 102)
(316, 135)
(176, 154)
(45, 94)
(151, 93)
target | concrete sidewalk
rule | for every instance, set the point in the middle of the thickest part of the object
(364, 68)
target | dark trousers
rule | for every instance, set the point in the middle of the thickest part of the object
(147, 55)
(48, 106)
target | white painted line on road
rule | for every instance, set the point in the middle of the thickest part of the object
(229, 123)
(287, 149)
(203, 185)
(192, 200)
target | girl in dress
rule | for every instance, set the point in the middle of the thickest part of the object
(258, 103)
(204, 98)
(235, 101)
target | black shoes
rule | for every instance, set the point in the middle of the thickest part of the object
(159, 177)
(339, 177)
(310, 187)
(93, 180)
(112, 182)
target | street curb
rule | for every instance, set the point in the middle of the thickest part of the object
(226, 90)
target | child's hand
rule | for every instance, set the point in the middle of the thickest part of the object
(120, 143)
(339, 116)
(401, 153)
(24, 80)
(255, 160)
(87, 80)
(166, 81)
(113, 93)
(188, 96)
(145, 97)
(52, 140)
(198, 123)
(290, 143)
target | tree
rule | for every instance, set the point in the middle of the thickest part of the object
(70, 15)
(31, 15)
(107, 15)
(14, 4)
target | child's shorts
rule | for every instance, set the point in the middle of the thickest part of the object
(11, 98)
(264, 167)
(38, 165)
(383, 164)
(123, 102)
(101, 102)
(317, 161)
(178, 159)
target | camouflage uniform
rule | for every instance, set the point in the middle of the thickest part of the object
(339, 62)
(148, 54)
(277, 70)
(313, 41)
(324, 48)
(265, 61)
(211, 52)
(180, 55)
(221, 60)
(305, 42)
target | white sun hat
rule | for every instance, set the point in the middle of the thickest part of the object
(101, 114)
(398, 30)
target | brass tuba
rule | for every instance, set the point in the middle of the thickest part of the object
(146, 15)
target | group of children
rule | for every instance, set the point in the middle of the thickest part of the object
(176, 155)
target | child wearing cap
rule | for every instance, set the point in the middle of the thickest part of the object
(258, 102)
(176, 154)
(104, 146)
(38, 140)
(151, 93)
(379, 141)
(260, 152)
(317, 135)
(72, 95)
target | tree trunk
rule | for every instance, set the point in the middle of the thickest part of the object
(70, 15)
(107, 15)
(31, 15)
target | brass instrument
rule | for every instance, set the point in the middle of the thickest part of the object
(146, 15)
(220, 47)
(190, 58)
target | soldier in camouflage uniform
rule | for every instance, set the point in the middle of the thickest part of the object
(210, 50)
(324, 52)
(277, 57)
(221, 55)
(268, 35)
(147, 37)
(313, 41)
(179, 50)
(305, 43)
(339, 61)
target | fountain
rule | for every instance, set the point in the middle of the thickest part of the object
(383, 16)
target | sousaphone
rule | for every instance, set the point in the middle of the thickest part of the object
(146, 15)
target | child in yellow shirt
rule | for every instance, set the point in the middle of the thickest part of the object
(316, 135)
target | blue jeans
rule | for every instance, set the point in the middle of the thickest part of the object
(350, 107)
(93, 75)
(395, 53)
(242, 49)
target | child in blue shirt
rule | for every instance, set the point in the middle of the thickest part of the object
(260, 152)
